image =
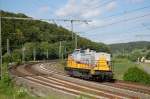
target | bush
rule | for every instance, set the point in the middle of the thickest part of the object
(135, 74)
(6, 58)
(6, 80)
(9, 91)
(6, 85)
(16, 56)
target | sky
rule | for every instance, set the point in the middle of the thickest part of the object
(112, 21)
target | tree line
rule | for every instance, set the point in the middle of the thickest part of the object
(40, 37)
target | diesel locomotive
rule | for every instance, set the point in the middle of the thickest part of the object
(89, 64)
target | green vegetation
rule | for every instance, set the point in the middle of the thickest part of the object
(129, 47)
(83, 97)
(131, 51)
(135, 74)
(126, 55)
(148, 55)
(41, 37)
(120, 66)
(9, 91)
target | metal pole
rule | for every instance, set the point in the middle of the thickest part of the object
(8, 50)
(65, 52)
(0, 49)
(62, 54)
(34, 54)
(76, 41)
(72, 28)
(47, 54)
(23, 55)
(60, 50)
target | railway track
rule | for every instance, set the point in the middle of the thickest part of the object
(62, 85)
(129, 86)
(119, 84)
(56, 79)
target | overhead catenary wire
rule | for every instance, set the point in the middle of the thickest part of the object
(100, 4)
(130, 31)
(118, 22)
(133, 11)
(127, 12)
(65, 20)
(145, 26)
(51, 35)
(42, 19)
(103, 4)
(124, 13)
(69, 36)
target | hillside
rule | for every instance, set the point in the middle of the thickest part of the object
(128, 47)
(40, 37)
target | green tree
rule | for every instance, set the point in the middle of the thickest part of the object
(40, 35)
(29, 47)
(135, 55)
(148, 55)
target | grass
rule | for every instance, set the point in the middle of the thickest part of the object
(9, 91)
(120, 66)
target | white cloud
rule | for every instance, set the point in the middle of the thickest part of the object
(111, 6)
(90, 13)
(79, 8)
(43, 9)
(69, 8)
